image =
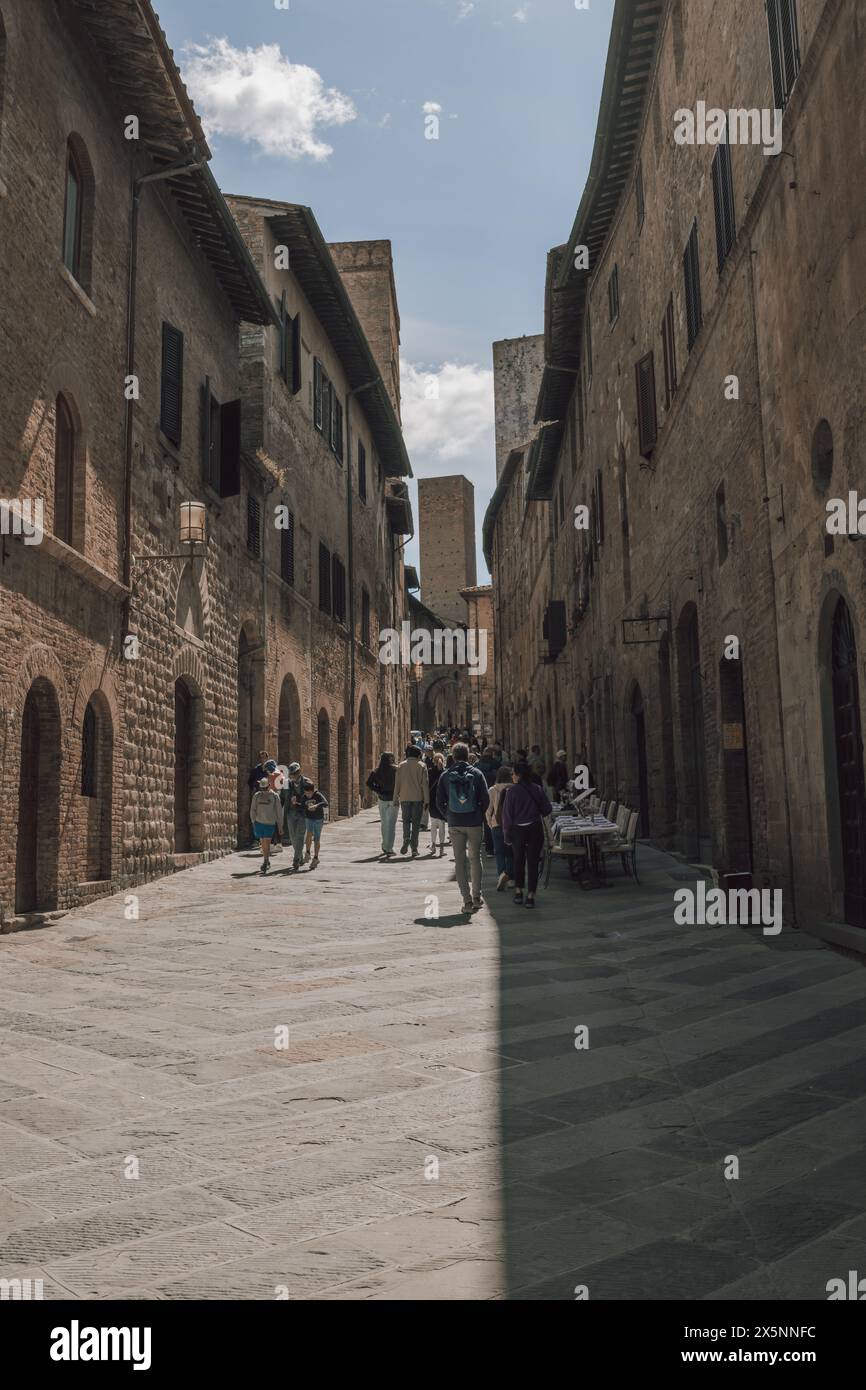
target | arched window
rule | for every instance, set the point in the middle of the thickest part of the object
(78, 212)
(74, 214)
(64, 470)
(88, 753)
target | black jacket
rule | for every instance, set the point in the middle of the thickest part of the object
(381, 781)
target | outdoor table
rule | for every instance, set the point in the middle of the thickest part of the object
(588, 829)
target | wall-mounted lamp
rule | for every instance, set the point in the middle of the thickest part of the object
(192, 531)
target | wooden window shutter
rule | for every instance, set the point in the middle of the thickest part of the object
(287, 550)
(318, 392)
(296, 354)
(171, 395)
(784, 48)
(254, 525)
(723, 203)
(209, 465)
(645, 381)
(324, 578)
(599, 508)
(692, 283)
(336, 424)
(790, 44)
(230, 449)
(339, 590)
(284, 339)
(669, 353)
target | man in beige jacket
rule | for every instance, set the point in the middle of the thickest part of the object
(412, 792)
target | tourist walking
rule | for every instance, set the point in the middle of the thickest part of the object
(435, 767)
(266, 817)
(315, 804)
(462, 798)
(412, 794)
(503, 852)
(557, 777)
(381, 781)
(522, 813)
(294, 812)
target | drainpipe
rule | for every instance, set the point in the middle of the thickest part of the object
(187, 166)
(350, 558)
(778, 662)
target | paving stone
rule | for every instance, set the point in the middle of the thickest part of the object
(311, 1169)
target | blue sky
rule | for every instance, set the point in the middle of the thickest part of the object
(323, 104)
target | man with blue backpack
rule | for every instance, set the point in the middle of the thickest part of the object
(462, 798)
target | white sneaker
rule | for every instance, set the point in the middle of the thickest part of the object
(501, 882)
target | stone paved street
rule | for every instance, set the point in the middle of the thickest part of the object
(310, 1170)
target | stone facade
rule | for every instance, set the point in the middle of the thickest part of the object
(128, 663)
(446, 530)
(712, 663)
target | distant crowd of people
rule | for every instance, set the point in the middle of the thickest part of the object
(451, 784)
(468, 796)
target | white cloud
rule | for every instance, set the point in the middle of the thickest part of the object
(465, 8)
(386, 120)
(520, 16)
(431, 108)
(257, 95)
(456, 422)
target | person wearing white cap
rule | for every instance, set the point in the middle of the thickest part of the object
(266, 815)
(294, 809)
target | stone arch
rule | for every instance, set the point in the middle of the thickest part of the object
(841, 725)
(96, 789)
(289, 740)
(665, 798)
(323, 752)
(365, 751)
(342, 768)
(38, 819)
(69, 470)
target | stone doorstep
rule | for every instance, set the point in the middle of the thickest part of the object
(26, 920)
(188, 861)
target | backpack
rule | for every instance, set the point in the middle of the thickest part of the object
(462, 790)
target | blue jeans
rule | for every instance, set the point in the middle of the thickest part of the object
(503, 852)
(388, 817)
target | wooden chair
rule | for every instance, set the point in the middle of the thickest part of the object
(622, 816)
(626, 847)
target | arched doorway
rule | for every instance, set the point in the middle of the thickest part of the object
(342, 769)
(694, 809)
(737, 849)
(849, 762)
(188, 785)
(323, 761)
(638, 734)
(365, 751)
(38, 801)
(97, 758)
(289, 723)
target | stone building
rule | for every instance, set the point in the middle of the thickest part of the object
(324, 570)
(123, 648)
(702, 400)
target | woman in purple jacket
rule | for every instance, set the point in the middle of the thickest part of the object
(522, 813)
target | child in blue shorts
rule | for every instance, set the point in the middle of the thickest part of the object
(315, 804)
